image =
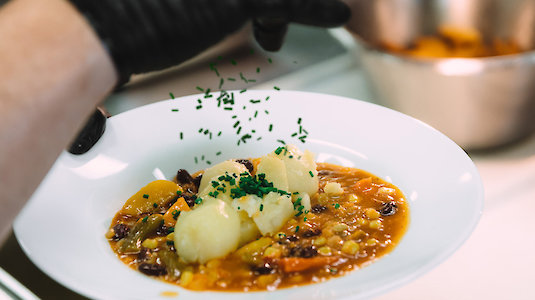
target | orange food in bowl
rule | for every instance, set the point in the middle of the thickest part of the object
(453, 41)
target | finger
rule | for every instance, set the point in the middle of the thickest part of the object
(270, 32)
(323, 13)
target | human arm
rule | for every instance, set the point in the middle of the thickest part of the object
(53, 72)
(55, 68)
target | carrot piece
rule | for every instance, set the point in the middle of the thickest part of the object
(297, 264)
(365, 185)
(172, 213)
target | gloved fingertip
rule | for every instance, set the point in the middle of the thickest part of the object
(270, 35)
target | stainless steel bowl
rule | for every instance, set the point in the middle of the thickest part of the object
(478, 102)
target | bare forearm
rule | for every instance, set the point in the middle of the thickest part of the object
(53, 72)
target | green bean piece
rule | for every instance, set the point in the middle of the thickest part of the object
(142, 229)
(172, 263)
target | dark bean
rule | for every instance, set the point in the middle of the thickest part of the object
(143, 254)
(120, 231)
(311, 233)
(247, 163)
(197, 181)
(318, 208)
(305, 252)
(388, 209)
(262, 270)
(292, 238)
(190, 199)
(324, 172)
(162, 230)
(183, 177)
(152, 269)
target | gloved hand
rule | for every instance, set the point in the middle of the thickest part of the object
(148, 35)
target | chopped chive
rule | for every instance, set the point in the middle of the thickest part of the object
(170, 243)
(239, 130)
(277, 88)
(234, 116)
(256, 113)
(261, 207)
(154, 205)
(196, 160)
(299, 121)
(243, 91)
(282, 142)
(294, 134)
(311, 174)
(200, 130)
(233, 62)
(270, 127)
(254, 101)
(218, 153)
(145, 219)
(174, 109)
(219, 133)
(270, 60)
(267, 112)
(227, 108)
(337, 206)
(236, 124)
(198, 107)
(231, 79)
(208, 162)
(172, 95)
(199, 88)
(179, 192)
(258, 70)
(221, 81)
(146, 196)
(296, 228)
(267, 98)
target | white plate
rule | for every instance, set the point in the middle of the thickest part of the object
(62, 228)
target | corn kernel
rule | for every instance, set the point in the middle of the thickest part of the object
(372, 213)
(272, 252)
(323, 199)
(335, 241)
(339, 227)
(110, 233)
(371, 242)
(186, 278)
(320, 241)
(170, 237)
(265, 280)
(362, 221)
(333, 188)
(150, 243)
(325, 250)
(353, 198)
(376, 224)
(350, 247)
(358, 234)
(212, 264)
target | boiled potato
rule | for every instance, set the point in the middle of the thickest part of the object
(300, 169)
(158, 192)
(276, 210)
(210, 231)
(248, 229)
(229, 167)
(275, 171)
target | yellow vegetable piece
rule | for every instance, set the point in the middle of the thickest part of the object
(150, 197)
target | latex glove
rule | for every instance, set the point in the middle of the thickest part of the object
(148, 35)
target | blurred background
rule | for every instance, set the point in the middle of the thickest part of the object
(466, 67)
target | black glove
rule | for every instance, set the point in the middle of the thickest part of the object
(148, 35)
